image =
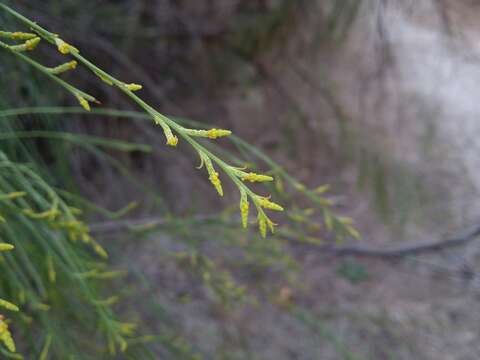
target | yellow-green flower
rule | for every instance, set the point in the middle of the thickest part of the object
(267, 204)
(253, 177)
(8, 305)
(211, 134)
(133, 87)
(85, 104)
(262, 224)
(6, 247)
(244, 205)
(213, 176)
(6, 336)
(32, 43)
(71, 65)
(64, 47)
(172, 140)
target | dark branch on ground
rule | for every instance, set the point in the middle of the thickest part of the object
(357, 249)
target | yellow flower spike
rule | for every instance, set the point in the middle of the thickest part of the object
(27, 45)
(244, 208)
(8, 305)
(71, 65)
(213, 176)
(99, 250)
(211, 134)
(216, 133)
(172, 140)
(22, 36)
(262, 224)
(133, 87)
(267, 204)
(6, 336)
(253, 177)
(83, 102)
(17, 35)
(6, 247)
(64, 47)
(32, 43)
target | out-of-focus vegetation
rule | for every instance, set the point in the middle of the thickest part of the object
(59, 180)
(117, 247)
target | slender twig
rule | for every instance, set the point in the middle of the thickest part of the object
(414, 247)
(236, 175)
(407, 248)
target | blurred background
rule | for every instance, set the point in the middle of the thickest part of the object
(377, 98)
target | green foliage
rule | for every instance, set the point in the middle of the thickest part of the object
(58, 273)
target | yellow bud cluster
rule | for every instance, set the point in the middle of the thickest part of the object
(211, 134)
(27, 45)
(216, 133)
(85, 104)
(8, 305)
(267, 204)
(6, 247)
(263, 223)
(253, 177)
(172, 140)
(17, 35)
(32, 43)
(6, 336)
(133, 87)
(64, 47)
(244, 205)
(213, 176)
(71, 65)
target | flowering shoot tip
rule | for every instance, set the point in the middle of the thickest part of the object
(267, 204)
(253, 177)
(6, 247)
(244, 205)
(64, 47)
(213, 176)
(211, 134)
(83, 102)
(133, 87)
